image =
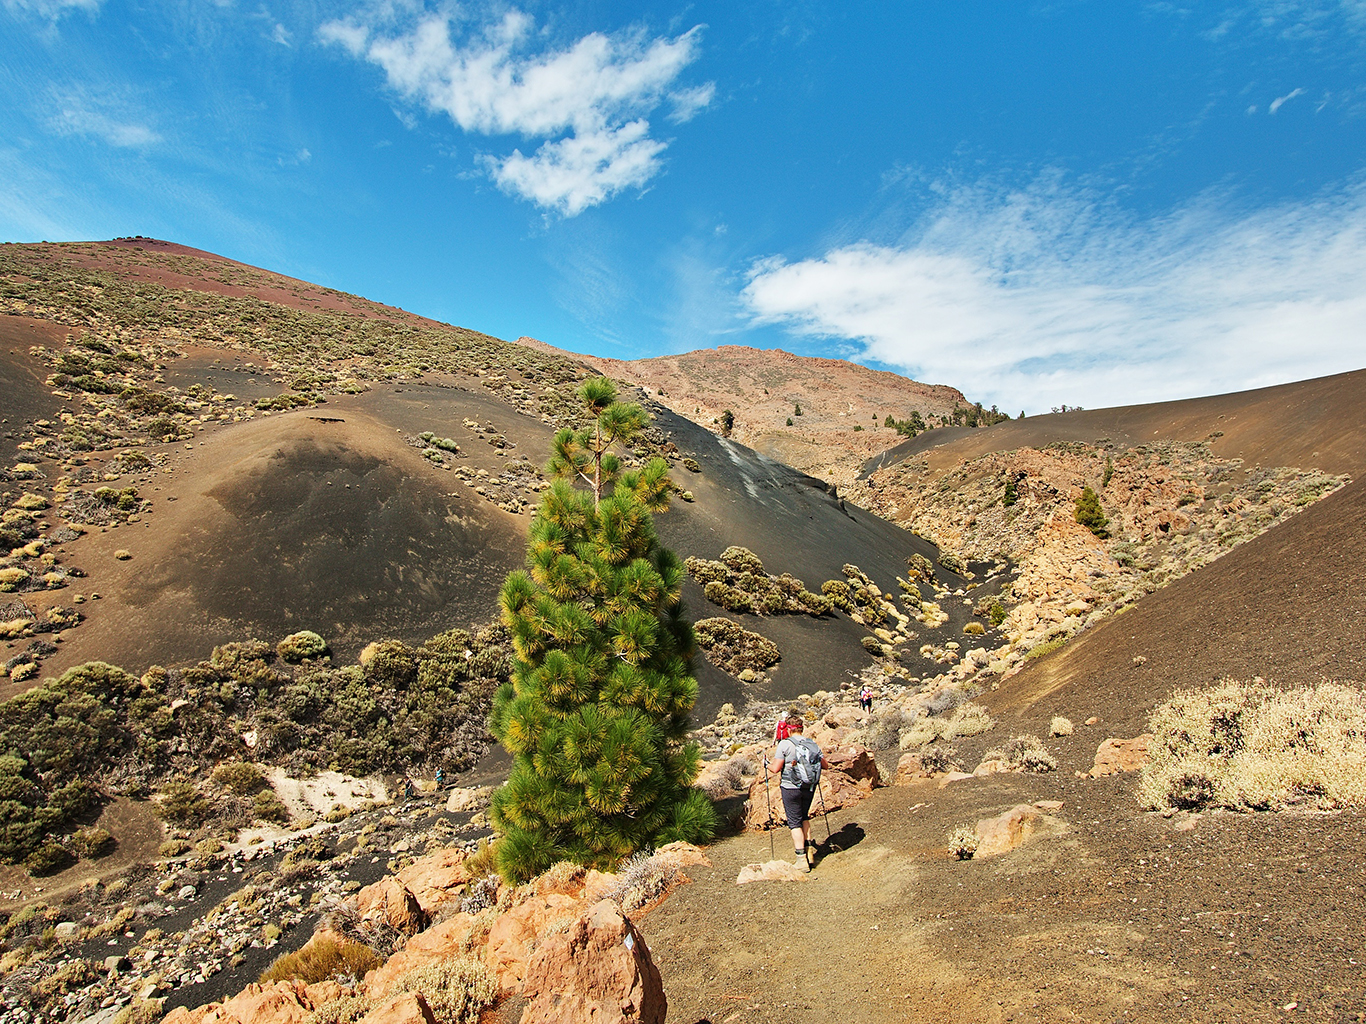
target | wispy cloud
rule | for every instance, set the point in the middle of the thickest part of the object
(1280, 101)
(50, 9)
(588, 102)
(78, 111)
(1049, 294)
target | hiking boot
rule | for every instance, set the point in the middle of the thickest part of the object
(802, 863)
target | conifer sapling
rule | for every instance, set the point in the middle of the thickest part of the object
(596, 714)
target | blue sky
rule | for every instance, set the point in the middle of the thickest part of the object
(1095, 203)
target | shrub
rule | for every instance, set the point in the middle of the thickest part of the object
(180, 802)
(1089, 513)
(963, 842)
(641, 880)
(51, 856)
(323, 958)
(938, 759)
(953, 562)
(690, 464)
(93, 842)
(974, 629)
(1060, 726)
(303, 644)
(732, 648)
(1023, 753)
(1252, 746)
(741, 560)
(242, 777)
(921, 567)
(884, 731)
(456, 988)
(966, 720)
(1011, 495)
(872, 645)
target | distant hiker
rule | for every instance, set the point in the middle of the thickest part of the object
(440, 777)
(780, 731)
(865, 699)
(407, 788)
(798, 762)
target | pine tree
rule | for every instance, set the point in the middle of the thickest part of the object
(1011, 495)
(596, 714)
(728, 422)
(1090, 514)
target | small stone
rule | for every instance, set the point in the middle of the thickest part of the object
(187, 892)
(66, 930)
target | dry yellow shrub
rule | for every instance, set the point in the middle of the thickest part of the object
(1254, 746)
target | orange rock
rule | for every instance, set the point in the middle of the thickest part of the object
(1115, 755)
(434, 878)
(1006, 831)
(599, 970)
(516, 931)
(855, 762)
(771, 871)
(448, 938)
(392, 901)
(283, 1002)
(682, 855)
(404, 1008)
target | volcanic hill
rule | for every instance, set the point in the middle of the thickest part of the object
(222, 454)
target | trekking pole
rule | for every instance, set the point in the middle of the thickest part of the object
(768, 825)
(824, 813)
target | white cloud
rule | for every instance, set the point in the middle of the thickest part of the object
(1047, 295)
(1280, 101)
(51, 9)
(77, 112)
(280, 35)
(586, 104)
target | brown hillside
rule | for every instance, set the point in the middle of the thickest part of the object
(1314, 423)
(764, 388)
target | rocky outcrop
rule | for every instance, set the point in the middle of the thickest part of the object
(851, 777)
(1006, 831)
(558, 942)
(392, 902)
(1115, 756)
(598, 969)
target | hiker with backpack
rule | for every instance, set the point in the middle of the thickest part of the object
(798, 763)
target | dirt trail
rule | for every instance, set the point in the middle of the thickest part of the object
(1104, 914)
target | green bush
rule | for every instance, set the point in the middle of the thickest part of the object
(301, 645)
(49, 857)
(873, 646)
(1089, 513)
(242, 777)
(180, 802)
(93, 842)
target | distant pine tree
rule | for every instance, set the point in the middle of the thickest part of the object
(1090, 514)
(728, 422)
(596, 714)
(1011, 496)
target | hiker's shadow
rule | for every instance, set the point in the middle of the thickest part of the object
(846, 838)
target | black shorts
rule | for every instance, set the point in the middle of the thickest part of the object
(797, 804)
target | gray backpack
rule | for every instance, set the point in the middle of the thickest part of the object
(805, 769)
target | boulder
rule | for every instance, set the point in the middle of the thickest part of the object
(434, 878)
(909, 770)
(682, 855)
(468, 799)
(844, 716)
(1114, 756)
(404, 1008)
(1006, 831)
(598, 970)
(392, 901)
(855, 762)
(449, 938)
(283, 1002)
(515, 933)
(771, 871)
